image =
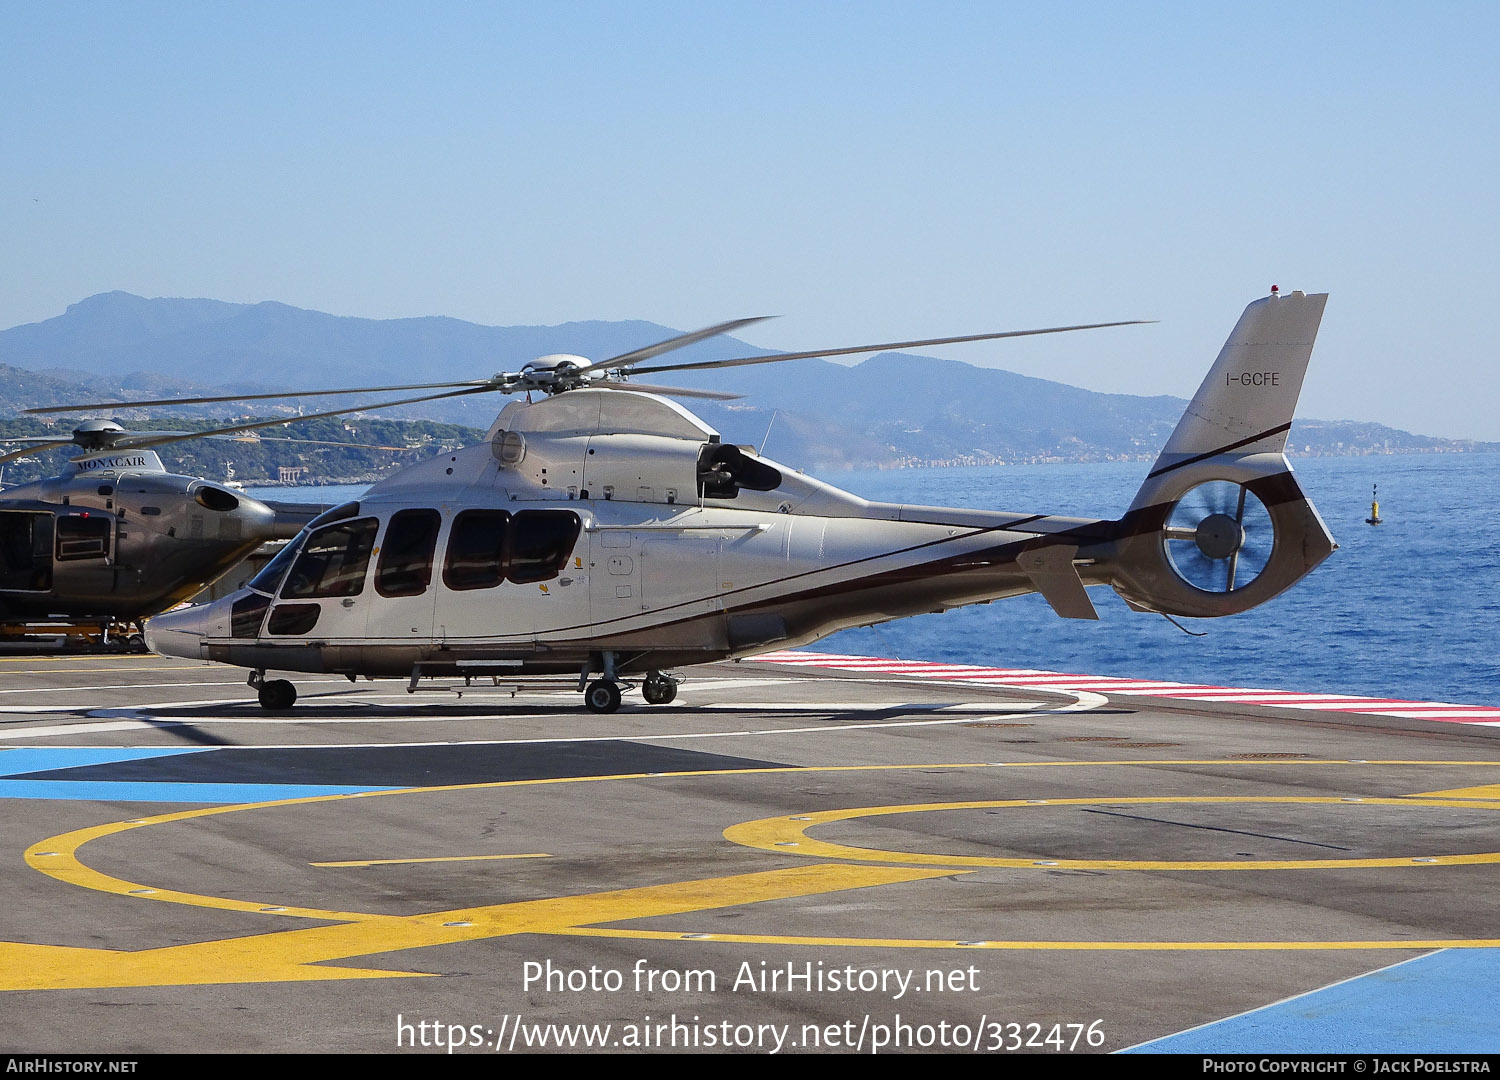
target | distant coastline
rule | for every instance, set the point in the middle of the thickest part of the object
(892, 411)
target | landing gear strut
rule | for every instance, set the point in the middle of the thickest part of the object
(603, 695)
(275, 695)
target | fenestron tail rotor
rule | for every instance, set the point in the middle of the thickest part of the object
(1219, 536)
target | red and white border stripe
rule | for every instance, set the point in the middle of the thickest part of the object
(975, 675)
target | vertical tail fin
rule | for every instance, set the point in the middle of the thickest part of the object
(1220, 524)
(1246, 402)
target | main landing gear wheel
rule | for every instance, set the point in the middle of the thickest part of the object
(659, 689)
(277, 695)
(602, 696)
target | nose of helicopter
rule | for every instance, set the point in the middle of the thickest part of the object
(181, 632)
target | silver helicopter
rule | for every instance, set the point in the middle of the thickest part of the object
(605, 532)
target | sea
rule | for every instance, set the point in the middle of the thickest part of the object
(1408, 609)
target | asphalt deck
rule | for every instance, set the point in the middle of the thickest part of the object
(803, 852)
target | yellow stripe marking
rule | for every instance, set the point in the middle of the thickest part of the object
(440, 858)
(289, 956)
(286, 956)
(788, 836)
(1486, 791)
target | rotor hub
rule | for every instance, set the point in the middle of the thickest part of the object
(1219, 536)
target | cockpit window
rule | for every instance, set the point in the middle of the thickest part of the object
(405, 567)
(246, 615)
(338, 513)
(333, 561)
(269, 578)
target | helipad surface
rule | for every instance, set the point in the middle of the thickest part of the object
(792, 856)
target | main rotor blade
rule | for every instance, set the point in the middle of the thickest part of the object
(635, 356)
(310, 416)
(669, 391)
(30, 450)
(313, 442)
(139, 439)
(257, 397)
(881, 348)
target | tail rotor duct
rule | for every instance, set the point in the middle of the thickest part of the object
(1219, 536)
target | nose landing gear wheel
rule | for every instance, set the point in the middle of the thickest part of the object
(277, 695)
(602, 696)
(659, 689)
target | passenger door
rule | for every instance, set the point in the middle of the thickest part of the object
(324, 596)
(405, 600)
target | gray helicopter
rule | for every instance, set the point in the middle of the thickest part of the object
(116, 537)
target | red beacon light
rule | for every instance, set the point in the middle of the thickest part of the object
(1275, 289)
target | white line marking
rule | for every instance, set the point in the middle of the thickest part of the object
(1283, 1001)
(617, 737)
(1058, 681)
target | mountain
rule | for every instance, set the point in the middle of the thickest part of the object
(891, 410)
(276, 345)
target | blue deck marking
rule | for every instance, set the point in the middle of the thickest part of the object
(1442, 1003)
(17, 761)
(173, 792)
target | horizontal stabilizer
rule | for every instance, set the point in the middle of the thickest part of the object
(1052, 571)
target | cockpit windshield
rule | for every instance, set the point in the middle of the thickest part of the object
(269, 578)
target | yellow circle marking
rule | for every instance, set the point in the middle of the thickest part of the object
(57, 856)
(788, 836)
(276, 956)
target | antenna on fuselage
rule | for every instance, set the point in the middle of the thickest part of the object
(762, 451)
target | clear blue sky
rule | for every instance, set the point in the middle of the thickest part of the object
(868, 171)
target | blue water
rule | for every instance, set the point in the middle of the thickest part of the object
(1409, 609)
(324, 493)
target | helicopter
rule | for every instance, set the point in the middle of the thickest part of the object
(604, 531)
(116, 537)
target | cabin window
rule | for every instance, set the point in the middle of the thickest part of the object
(540, 543)
(83, 537)
(476, 550)
(405, 567)
(333, 561)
